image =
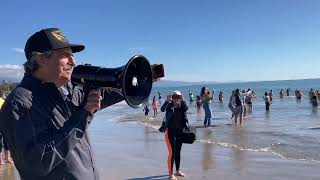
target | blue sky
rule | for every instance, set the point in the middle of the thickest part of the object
(205, 40)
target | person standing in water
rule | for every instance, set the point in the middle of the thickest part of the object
(238, 109)
(281, 93)
(155, 106)
(199, 103)
(271, 95)
(248, 99)
(243, 96)
(314, 99)
(191, 97)
(310, 94)
(206, 97)
(298, 94)
(267, 100)
(288, 92)
(175, 121)
(159, 96)
(213, 94)
(318, 94)
(232, 104)
(221, 97)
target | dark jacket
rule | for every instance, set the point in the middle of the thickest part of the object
(47, 133)
(168, 107)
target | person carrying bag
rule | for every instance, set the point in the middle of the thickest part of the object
(188, 136)
(176, 125)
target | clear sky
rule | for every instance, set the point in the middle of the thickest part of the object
(204, 40)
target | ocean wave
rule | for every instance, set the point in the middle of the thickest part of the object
(314, 128)
(267, 149)
(153, 126)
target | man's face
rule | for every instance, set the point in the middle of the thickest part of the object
(59, 66)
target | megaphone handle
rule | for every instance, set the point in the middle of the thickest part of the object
(86, 89)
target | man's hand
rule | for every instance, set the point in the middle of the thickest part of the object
(93, 101)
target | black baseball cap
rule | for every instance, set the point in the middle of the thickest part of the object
(49, 39)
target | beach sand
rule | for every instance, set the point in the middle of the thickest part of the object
(140, 154)
(132, 151)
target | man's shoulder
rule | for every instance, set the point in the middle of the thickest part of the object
(20, 95)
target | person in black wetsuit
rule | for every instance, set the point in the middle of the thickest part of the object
(238, 109)
(176, 120)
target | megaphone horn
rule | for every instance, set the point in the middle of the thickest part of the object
(133, 80)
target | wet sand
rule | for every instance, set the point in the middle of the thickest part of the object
(132, 151)
(141, 153)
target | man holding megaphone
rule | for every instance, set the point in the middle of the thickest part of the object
(45, 119)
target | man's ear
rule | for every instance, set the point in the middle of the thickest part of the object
(41, 60)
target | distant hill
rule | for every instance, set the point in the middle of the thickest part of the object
(170, 83)
(12, 79)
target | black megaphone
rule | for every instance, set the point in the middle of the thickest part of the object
(133, 80)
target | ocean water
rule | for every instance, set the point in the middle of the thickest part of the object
(290, 130)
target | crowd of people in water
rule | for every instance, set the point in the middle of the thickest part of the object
(240, 102)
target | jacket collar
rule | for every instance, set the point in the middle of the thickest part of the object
(33, 84)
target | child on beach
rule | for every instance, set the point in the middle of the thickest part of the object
(155, 106)
(146, 110)
(199, 103)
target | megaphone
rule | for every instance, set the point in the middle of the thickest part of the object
(133, 81)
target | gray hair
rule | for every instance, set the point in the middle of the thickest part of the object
(31, 65)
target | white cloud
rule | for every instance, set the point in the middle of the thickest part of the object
(11, 72)
(19, 50)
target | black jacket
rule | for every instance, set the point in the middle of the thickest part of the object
(47, 133)
(168, 107)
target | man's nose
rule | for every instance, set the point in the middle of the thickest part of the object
(72, 60)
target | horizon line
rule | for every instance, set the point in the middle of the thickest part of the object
(240, 81)
(215, 82)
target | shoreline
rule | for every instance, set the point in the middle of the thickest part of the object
(146, 159)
